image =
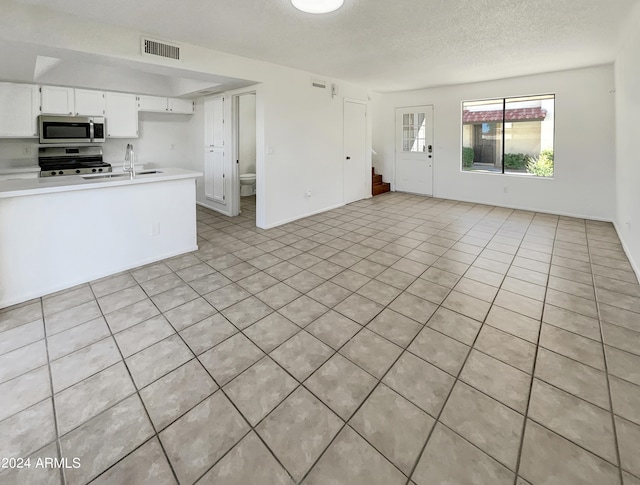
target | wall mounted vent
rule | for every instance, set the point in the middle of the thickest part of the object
(151, 47)
(316, 83)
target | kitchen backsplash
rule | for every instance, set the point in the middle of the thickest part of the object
(164, 141)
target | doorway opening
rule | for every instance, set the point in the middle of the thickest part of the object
(244, 136)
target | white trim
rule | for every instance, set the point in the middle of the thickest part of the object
(309, 214)
(396, 144)
(367, 147)
(216, 209)
(54, 289)
(235, 181)
(520, 208)
(627, 252)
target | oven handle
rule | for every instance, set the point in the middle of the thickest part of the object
(91, 130)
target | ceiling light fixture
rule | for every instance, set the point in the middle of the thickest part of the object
(317, 6)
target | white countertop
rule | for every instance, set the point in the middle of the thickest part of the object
(66, 183)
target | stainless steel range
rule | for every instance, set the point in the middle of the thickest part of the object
(55, 161)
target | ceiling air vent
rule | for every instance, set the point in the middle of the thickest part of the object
(316, 83)
(152, 47)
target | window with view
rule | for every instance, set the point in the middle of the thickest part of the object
(509, 135)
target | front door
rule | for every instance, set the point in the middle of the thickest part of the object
(414, 150)
(355, 152)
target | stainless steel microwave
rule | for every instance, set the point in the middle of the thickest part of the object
(71, 129)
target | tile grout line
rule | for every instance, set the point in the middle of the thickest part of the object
(405, 349)
(471, 347)
(346, 422)
(137, 393)
(533, 369)
(606, 366)
(343, 269)
(53, 401)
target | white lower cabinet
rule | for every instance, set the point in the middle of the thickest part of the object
(121, 113)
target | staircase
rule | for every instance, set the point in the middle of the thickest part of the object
(377, 185)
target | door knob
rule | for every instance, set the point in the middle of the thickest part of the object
(348, 158)
(430, 148)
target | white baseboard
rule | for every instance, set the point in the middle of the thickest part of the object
(302, 216)
(632, 262)
(71, 283)
(217, 209)
(529, 209)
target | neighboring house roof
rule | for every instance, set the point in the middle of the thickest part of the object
(519, 114)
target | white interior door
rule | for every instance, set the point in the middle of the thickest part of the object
(414, 150)
(355, 146)
(214, 170)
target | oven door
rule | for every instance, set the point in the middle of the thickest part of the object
(65, 129)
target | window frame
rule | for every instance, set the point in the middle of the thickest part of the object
(504, 100)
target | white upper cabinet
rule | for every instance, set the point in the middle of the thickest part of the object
(57, 100)
(19, 110)
(89, 103)
(152, 103)
(164, 105)
(177, 105)
(122, 115)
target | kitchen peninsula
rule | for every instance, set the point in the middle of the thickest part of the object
(58, 232)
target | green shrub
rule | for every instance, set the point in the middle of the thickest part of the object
(467, 157)
(542, 165)
(515, 161)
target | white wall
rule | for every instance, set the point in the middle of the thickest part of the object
(627, 70)
(300, 126)
(303, 129)
(247, 133)
(164, 140)
(584, 181)
(19, 149)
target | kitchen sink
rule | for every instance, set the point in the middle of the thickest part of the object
(148, 172)
(105, 176)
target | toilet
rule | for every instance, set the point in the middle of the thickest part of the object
(247, 184)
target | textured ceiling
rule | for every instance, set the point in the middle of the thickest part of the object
(388, 45)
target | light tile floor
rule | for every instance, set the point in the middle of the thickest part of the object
(397, 340)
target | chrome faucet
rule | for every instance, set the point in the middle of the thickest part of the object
(130, 157)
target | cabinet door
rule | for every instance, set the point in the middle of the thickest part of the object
(214, 177)
(89, 103)
(214, 121)
(152, 103)
(19, 110)
(57, 100)
(184, 106)
(121, 115)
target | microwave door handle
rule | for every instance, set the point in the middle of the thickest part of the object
(91, 130)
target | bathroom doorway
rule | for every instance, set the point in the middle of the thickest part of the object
(244, 107)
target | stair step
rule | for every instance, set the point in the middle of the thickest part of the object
(380, 189)
(376, 179)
